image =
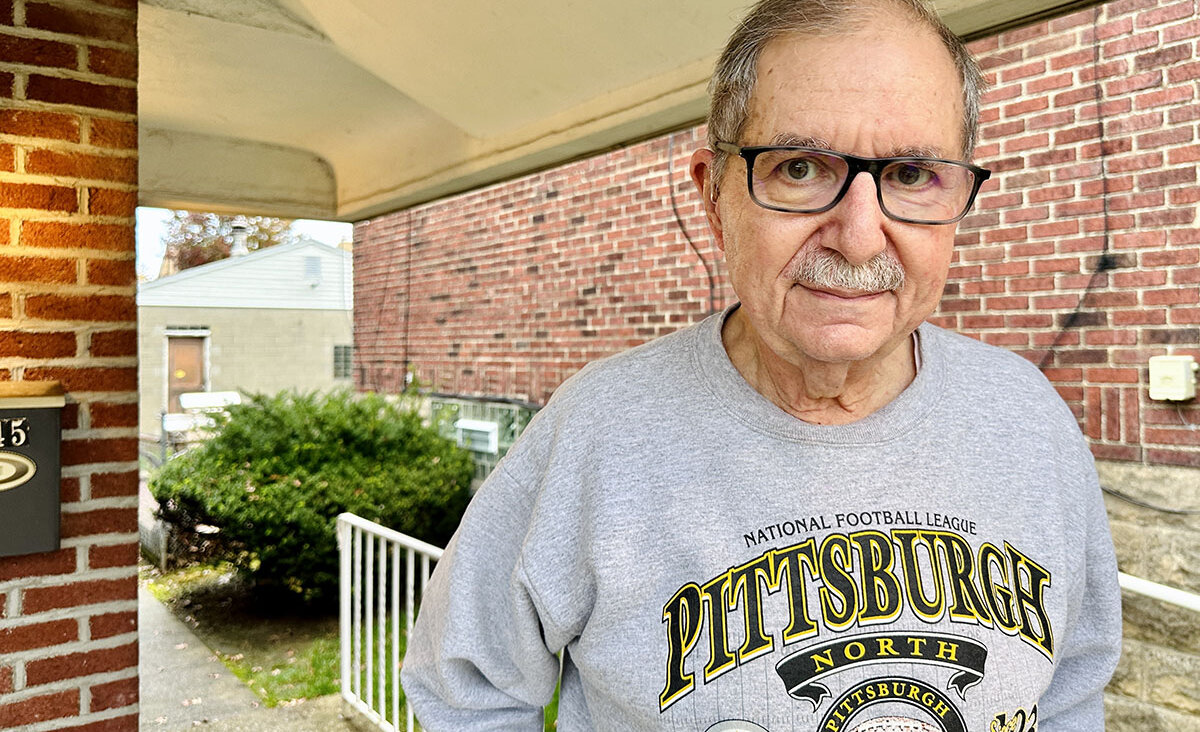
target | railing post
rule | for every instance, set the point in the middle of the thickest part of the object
(364, 618)
(345, 549)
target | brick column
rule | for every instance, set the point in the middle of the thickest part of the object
(68, 189)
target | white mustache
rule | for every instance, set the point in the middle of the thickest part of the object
(827, 268)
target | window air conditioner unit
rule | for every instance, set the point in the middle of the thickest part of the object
(478, 436)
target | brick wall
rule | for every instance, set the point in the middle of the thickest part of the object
(68, 188)
(1083, 254)
(508, 290)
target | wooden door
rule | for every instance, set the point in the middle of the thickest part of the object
(185, 369)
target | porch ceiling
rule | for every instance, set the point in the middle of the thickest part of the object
(344, 109)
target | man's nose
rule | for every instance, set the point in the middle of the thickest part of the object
(858, 222)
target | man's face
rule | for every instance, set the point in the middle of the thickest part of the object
(889, 89)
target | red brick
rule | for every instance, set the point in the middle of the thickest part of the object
(37, 52)
(1163, 56)
(77, 22)
(37, 269)
(68, 491)
(119, 555)
(1170, 177)
(38, 635)
(39, 709)
(112, 624)
(114, 694)
(113, 133)
(81, 93)
(94, 308)
(28, 123)
(1170, 257)
(37, 565)
(38, 196)
(1023, 34)
(1182, 436)
(108, 485)
(21, 344)
(1164, 14)
(1188, 154)
(77, 165)
(99, 521)
(41, 599)
(1172, 296)
(114, 343)
(1168, 217)
(1110, 338)
(6, 677)
(1000, 58)
(1145, 278)
(86, 663)
(109, 202)
(1183, 73)
(113, 415)
(1170, 96)
(98, 450)
(119, 272)
(115, 724)
(113, 62)
(86, 379)
(1112, 375)
(110, 237)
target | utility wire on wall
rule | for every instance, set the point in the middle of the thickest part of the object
(1107, 261)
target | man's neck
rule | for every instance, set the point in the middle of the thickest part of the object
(818, 392)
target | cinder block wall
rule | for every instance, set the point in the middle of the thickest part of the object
(253, 350)
(68, 189)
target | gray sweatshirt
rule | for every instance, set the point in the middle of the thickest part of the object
(693, 558)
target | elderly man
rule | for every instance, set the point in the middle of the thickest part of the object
(811, 511)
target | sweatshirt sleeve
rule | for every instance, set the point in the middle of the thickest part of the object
(478, 657)
(1074, 702)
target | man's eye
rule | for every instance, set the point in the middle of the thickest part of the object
(911, 175)
(798, 169)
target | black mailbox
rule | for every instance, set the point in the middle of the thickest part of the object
(30, 469)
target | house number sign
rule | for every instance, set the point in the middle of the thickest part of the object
(30, 471)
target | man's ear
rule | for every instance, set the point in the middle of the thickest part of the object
(702, 176)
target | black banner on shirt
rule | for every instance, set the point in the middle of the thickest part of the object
(907, 691)
(801, 671)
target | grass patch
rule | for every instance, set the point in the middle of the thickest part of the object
(281, 650)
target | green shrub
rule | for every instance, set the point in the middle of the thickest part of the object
(279, 469)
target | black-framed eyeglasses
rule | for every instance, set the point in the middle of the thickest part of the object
(915, 190)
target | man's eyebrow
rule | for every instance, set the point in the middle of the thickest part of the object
(786, 138)
(916, 151)
(906, 151)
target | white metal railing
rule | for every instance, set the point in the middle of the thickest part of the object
(370, 559)
(1163, 593)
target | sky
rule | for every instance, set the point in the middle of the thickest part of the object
(152, 224)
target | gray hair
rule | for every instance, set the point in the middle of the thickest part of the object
(732, 85)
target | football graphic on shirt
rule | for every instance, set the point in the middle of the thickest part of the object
(735, 725)
(895, 724)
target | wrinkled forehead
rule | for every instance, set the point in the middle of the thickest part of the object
(888, 75)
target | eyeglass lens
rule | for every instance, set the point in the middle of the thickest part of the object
(805, 181)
